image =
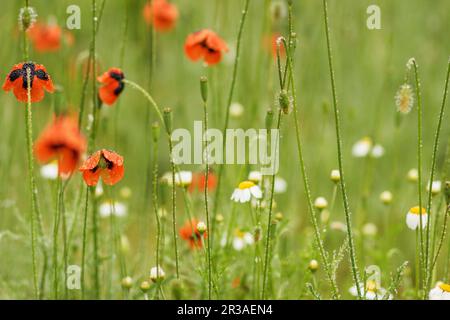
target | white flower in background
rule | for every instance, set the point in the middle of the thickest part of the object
(435, 187)
(440, 292)
(125, 192)
(182, 178)
(335, 175)
(320, 203)
(369, 229)
(255, 176)
(339, 226)
(245, 191)
(112, 207)
(229, 57)
(157, 273)
(413, 175)
(280, 185)
(413, 218)
(50, 171)
(404, 98)
(201, 227)
(263, 204)
(242, 240)
(386, 197)
(371, 291)
(377, 151)
(362, 147)
(236, 110)
(99, 189)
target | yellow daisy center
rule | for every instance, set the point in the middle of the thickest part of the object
(246, 185)
(445, 287)
(371, 285)
(416, 210)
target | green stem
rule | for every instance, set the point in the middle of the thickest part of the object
(348, 219)
(227, 115)
(83, 250)
(55, 237)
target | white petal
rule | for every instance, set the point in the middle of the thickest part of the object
(435, 294)
(256, 192)
(238, 243)
(245, 195)
(412, 221)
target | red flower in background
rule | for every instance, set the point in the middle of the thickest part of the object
(190, 233)
(199, 181)
(112, 85)
(47, 37)
(63, 141)
(105, 164)
(272, 45)
(17, 80)
(206, 45)
(161, 14)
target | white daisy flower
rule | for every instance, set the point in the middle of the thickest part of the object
(109, 207)
(371, 291)
(99, 189)
(338, 225)
(255, 176)
(369, 229)
(236, 110)
(182, 178)
(362, 147)
(435, 187)
(335, 175)
(244, 192)
(440, 292)
(377, 151)
(280, 185)
(413, 218)
(50, 171)
(157, 273)
(242, 240)
(386, 197)
(413, 175)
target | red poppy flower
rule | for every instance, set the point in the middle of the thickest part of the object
(39, 78)
(112, 85)
(190, 233)
(105, 164)
(63, 141)
(199, 181)
(45, 38)
(162, 14)
(206, 45)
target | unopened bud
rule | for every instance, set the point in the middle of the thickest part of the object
(168, 119)
(204, 88)
(313, 265)
(201, 227)
(335, 175)
(127, 282)
(284, 101)
(145, 286)
(278, 216)
(386, 197)
(321, 203)
(157, 274)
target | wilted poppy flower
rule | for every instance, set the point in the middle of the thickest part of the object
(199, 181)
(190, 233)
(112, 85)
(161, 14)
(61, 140)
(45, 38)
(206, 45)
(39, 80)
(105, 164)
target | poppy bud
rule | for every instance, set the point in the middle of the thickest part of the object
(155, 131)
(27, 17)
(168, 119)
(269, 118)
(204, 88)
(284, 102)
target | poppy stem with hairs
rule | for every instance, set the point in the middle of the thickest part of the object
(348, 220)
(55, 237)
(429, 257)
(204, 93)
(32, 182)
(317, 234)
(227, 115)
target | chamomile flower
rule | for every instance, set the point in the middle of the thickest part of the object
(109, 207)
(370, 229)
(157, 274)
(404, 98)
(386, 197)
(245, 191)
(255, 176)
(182, 178)
(413, 218)
(50, 171)
(371, 291)
(236, 110)
(335, 175)
(440, 292)
(320, 203)
(242, 239)
(435, 187)
(413, 175)
(377, 151)
(280, 185)
(362, 147)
